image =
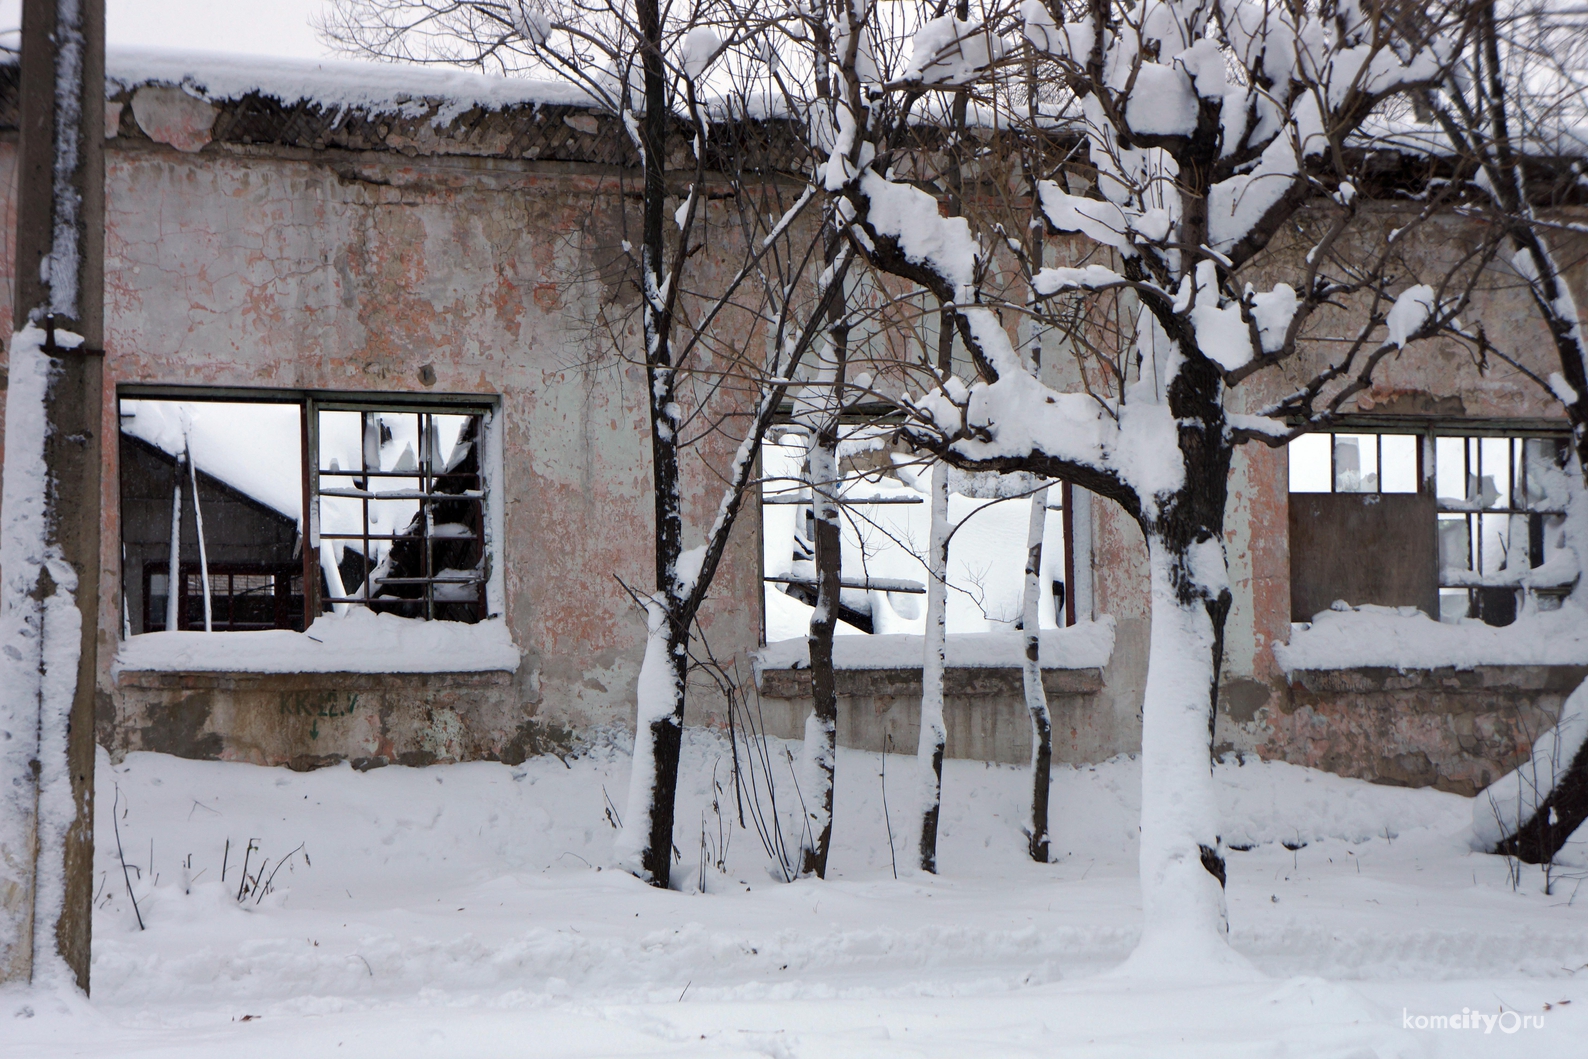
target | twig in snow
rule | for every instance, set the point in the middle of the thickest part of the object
(612, 811)
(115, 821)
(686, 989)
(887, 743)
(266, 888)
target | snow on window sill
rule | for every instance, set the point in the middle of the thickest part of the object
(1085, 645)
(1405, 638)
(356, 642)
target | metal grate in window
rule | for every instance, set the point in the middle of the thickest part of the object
(399, 501)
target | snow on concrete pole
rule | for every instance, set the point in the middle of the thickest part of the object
(50, 509)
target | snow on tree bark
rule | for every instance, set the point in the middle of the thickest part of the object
(1194, 173)
(1031, 679)
(821, 727)
(1531, 811)
(933, 734)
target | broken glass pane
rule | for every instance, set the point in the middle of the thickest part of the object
(1450, 472)
(1399, 473)
(1494, 471)
(391, 535)
(1355, 463)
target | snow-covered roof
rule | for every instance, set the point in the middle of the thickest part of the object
(371, 87)
(254, 448)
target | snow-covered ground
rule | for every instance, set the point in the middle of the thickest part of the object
(468, 910)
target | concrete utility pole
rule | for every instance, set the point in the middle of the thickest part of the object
(51, 522)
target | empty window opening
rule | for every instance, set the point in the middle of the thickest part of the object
(211, 487)
(885, 520)
(216, 490)
(400, 504)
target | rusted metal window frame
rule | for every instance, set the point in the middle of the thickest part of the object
(428, 579)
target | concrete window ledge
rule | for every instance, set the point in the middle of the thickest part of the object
(1559, 678)
(356, 642)
(958, 680)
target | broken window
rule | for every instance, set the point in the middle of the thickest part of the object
(1442, 519)
(216, 490)
(400, 509)
(885, 523)
(1502, 512)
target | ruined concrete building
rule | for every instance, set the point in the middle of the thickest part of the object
(351, 361)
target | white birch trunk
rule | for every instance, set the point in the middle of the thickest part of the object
(929, 751)
(821, 727)
(1031, 676)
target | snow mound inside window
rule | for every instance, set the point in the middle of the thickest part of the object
(379, 88)
(1405, 638)
(1085, 645)
(356, 642)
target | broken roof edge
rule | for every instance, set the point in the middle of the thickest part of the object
(405, 90)
(190, 100)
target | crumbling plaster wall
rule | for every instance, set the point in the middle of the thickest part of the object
(1355, 726)
(284, 268)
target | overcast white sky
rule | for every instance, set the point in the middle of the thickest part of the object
(261, 27)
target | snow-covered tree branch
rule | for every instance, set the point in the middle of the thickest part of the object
(1203, 128)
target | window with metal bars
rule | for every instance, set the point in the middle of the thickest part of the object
(1502, 510)
(241, 597)
(399, 509)
(279, 506)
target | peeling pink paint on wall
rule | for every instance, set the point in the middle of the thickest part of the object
(251, 269)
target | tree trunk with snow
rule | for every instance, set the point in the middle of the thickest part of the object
(1190, 173)
(821, 727)
(1031, 679)
(934, 736)
(647, 843)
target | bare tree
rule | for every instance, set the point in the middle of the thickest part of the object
(651, 66)
(1512, 109)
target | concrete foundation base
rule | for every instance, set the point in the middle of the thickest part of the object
(307, 720)
(984, 710)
